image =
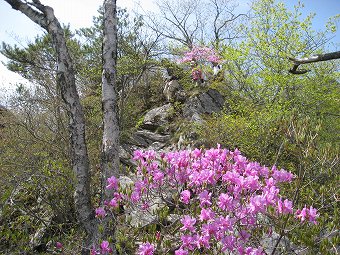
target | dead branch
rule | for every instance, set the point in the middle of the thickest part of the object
(312, 59)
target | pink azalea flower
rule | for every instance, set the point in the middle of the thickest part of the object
(146, 249)
(282, 175)
(254, 251)
(100, 212)
(270, 182)
(301, 214)
(187, 241)
(225, 201)
(251, 182)
(312, 213)
(188, 223)
(181, 252)
(271, 195)
(228, 243)
(206, 214)
(197, 153)
(257, 204)
(185, 196)
(203, 241)
(225, 223)
(194, 178)
(112, 183)
(210, 229)
(113, 203)
(158, 177)
(285, 207)
(138, 155)
(135, 196)
(204, 197)
(150, 155)
(105, 247)
(139, 186)
(230, 177)
(264, 171)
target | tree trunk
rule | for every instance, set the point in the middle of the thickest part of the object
(110, 141)
(110, 146)
(44, 16)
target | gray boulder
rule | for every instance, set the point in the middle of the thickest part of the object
(205, 103)
(156, 117)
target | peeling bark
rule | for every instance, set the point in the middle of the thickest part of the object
(44, 16)
(110, 146)
(110, 140)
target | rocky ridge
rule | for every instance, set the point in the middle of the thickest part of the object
(154, 132)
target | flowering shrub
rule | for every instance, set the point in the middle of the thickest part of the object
(200, 54)
(215, 201)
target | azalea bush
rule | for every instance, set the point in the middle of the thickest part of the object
(212, 201)
(200, 54)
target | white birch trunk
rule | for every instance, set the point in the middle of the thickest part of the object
(110, 146)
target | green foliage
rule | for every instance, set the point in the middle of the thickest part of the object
(183, 75)
(259, 64)
(36, 176)
(34, 198)
(284, 119)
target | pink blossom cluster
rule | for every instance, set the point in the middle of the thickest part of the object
(307, 213)
(112, 184)
(146, 249)
(200, 54)
(104, 249)
(101, 212)
(231, 196)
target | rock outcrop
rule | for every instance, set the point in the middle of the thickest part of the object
(154, 134)
(205, 103)
(156, 117)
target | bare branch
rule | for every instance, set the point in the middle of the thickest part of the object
(316, 58)
(312, 59)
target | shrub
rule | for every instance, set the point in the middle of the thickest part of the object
(209, 201)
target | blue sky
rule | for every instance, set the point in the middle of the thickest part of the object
(15, 28)
(323, 10)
